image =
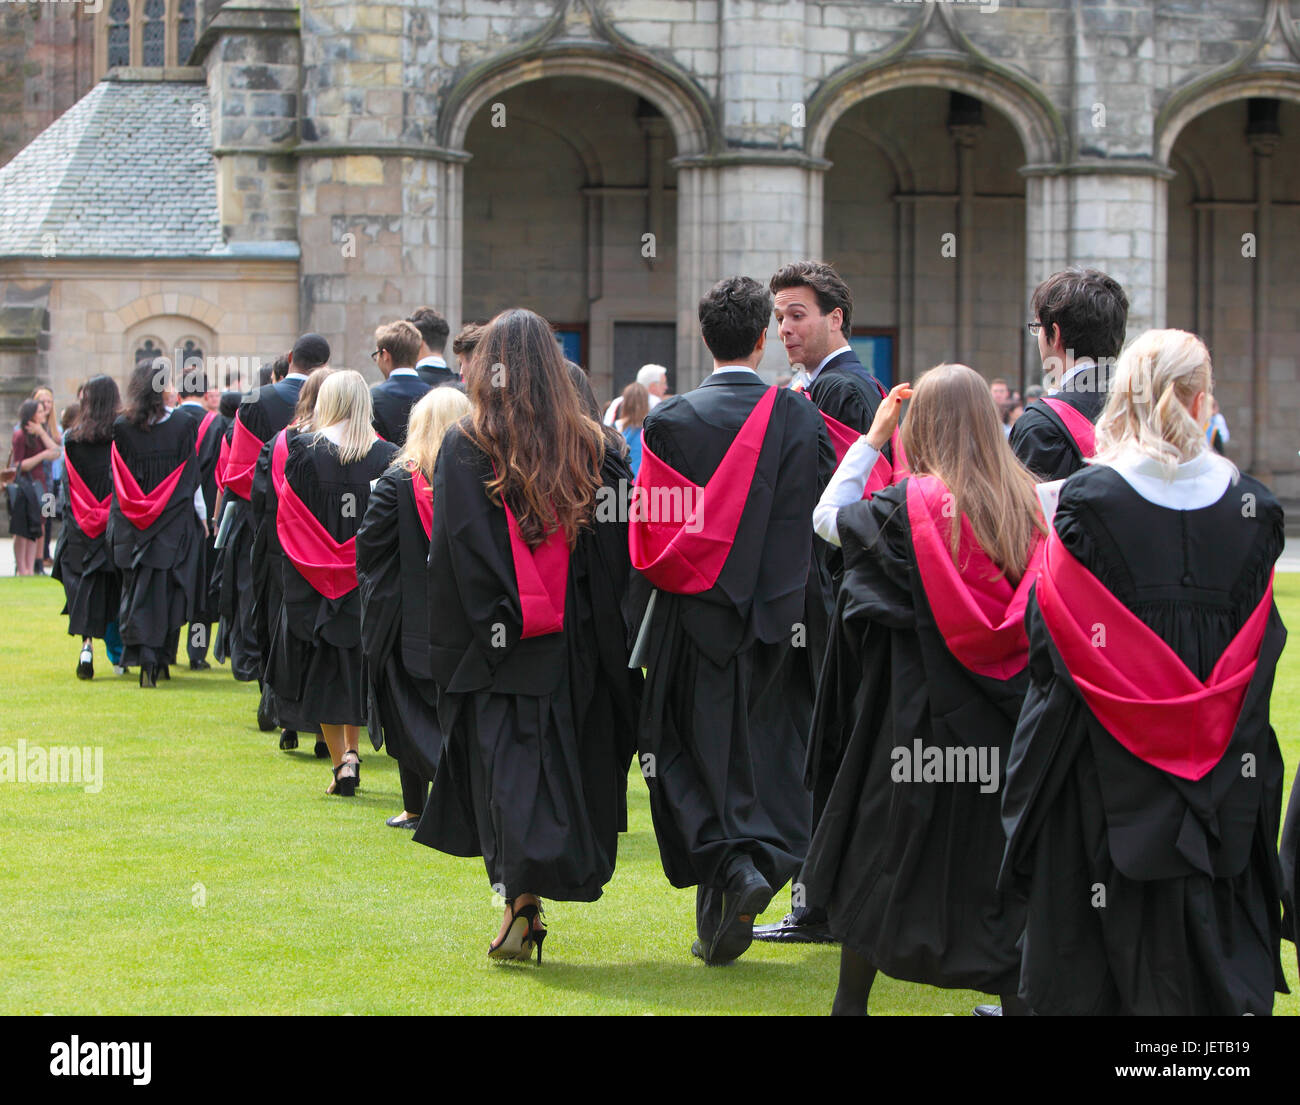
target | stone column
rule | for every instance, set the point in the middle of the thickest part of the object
(252, 58)
(1111, 217)
(1263, 146)
(743, 213)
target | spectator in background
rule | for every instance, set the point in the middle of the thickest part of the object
(652, 377)
(45, 416)
(1001, 393)
(1034, 392)
(32, 448)
(1015, 408)
(634, 406)
(1216, 433)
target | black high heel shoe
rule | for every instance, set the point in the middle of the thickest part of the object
(345, 786)
(148, 676)
(519, 940)
(356, 763)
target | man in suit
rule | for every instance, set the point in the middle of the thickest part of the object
(814, 310)
(729, 690)
(1079, 320)
(431, 366)
(397, 346)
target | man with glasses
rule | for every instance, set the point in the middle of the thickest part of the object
(1079, 320)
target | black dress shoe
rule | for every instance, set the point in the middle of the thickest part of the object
(200, 665)
(322, 750)
(288, 740)
(745, 897)
(792, 930)
(397, 821)
(987, 1011)
(86, 665)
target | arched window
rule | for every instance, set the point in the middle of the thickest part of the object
(184, 31)
(119, 33)
(147, 352)
(155, 29)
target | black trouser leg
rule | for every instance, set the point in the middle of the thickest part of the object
(415, 791)
(1013, 1005)
(856, 976)
(197, 641)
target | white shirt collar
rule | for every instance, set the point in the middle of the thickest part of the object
(1198, 483)
(432, 361)
(296, 376)
(403, 372)
(827, 359)
(1075, 369)
(735, 368)
(192, 403)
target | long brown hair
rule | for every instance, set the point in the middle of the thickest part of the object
(546, 453)
(304, 412)
(635, 406)
(952, 431)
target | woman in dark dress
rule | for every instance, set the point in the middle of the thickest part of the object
(156, 525)
(392, 560)
(528, 639)
(1144, 788)
(83, 561)
(318, 492)
(919, 696)
(31, 451)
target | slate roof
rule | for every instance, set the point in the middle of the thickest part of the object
(127, 171)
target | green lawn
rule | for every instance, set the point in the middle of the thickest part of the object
(310, 904)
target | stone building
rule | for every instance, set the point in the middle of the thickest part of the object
(216, 177)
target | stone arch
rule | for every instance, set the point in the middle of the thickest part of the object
(682, 104)
(1197, 99)
(1036, 122)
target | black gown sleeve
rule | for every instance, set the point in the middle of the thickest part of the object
(379, 570)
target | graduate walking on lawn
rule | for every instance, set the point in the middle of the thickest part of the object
(156, 525)
(392, 565)
(729, 476)
(1143, 794)
(83, 559)
(528, 565)
(319, 488)
(919, 696)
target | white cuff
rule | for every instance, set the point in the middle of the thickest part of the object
(846, 486)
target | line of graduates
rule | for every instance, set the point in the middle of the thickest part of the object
(999, 735)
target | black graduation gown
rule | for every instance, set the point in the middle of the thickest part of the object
(159, 564)
(392, 565)
(265, 412)
(539, 731)
(206, 609)
(1289, 852)
(222, 592)
(314, 666)
(91, 582)
(1039, 437)
(908, 869)
(729, 674)
(1149, 893)
(846, 391)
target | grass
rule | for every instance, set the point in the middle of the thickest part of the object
(212, 875)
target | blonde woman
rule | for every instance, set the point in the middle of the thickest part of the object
(392, 558)
(922, 684)
(1144, 790)
(319, 489)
